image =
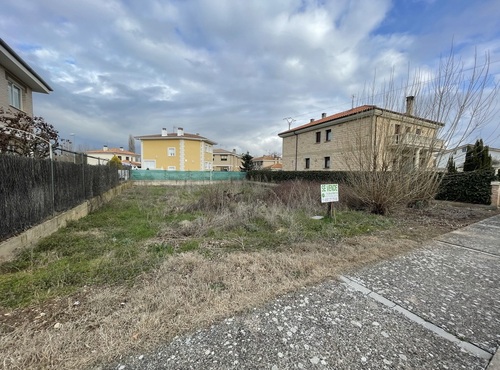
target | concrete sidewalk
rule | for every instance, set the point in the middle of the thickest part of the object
(435, 308)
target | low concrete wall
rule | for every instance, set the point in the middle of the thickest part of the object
(32, 236)
(495, 194)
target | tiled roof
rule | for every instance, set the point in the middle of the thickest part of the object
(266, 158)
(112, 151)
(362, 108)
(174, 136)
(276, 166)
(223, 151)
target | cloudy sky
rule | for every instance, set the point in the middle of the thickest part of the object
(230, 70)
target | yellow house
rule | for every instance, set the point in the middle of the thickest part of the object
(363, 138)
(178, 151)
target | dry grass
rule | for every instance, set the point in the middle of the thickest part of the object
(188, 291)
(192, 289)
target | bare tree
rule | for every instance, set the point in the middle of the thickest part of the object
(393, 161)
(26, 136)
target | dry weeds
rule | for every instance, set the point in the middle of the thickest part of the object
(190, 291)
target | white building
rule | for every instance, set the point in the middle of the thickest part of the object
(102, 156)
(458, 154)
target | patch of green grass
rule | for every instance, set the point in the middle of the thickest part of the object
(110, 246)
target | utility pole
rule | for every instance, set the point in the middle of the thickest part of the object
(290, 120)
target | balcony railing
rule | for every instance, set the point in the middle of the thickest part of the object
(417, 141)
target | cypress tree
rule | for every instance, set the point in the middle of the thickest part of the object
(451, 168)
(247, 164)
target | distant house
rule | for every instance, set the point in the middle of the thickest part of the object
(224, 160)
(177, 151)
(102, 156)
(458, 155)
(18, 81)
(362, 138)
(268, 162)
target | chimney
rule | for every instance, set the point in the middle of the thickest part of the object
(121, 148)
(409, 105)
(312, 120)
(180, 131)
(105, 148)
(234, 151)
(323, 115)
(164, 132)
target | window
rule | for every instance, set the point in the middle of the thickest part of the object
(418, 131)
(120, 157)
(171, 152)
(397, 128)
(127, 158)
(318, 137)
(15, 95)
(328, 135)
(308, 163)
(149, 164)
(327, 162)
(223, 157)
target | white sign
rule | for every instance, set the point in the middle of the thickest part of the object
(329, 193)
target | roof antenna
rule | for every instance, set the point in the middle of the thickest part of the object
(290, 120)
(352, 103)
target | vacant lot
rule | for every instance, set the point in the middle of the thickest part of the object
(160, 261)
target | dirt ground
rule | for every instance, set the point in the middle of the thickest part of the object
(75, 324)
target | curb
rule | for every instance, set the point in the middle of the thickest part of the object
(495, 362)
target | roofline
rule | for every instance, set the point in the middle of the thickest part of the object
(159, 137)
(328, 121)
(31, 78)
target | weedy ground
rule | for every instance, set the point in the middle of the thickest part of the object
(160, 261)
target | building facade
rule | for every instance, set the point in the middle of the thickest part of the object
(177, 151)
(224, 160)
(268, 162)
(18, 82)
(102, 156)
(458, 155)
(360, 139)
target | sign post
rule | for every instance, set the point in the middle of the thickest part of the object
(330, 194)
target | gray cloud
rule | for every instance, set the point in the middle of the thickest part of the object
(228, 70)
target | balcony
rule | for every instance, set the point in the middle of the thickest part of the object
(417, 141)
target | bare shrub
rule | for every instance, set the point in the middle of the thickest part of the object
(297, 195)
(392, 158)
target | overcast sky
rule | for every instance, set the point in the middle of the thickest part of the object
(230, 70)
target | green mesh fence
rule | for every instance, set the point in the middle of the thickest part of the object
(162, 175)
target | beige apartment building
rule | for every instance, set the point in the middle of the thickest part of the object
(363, 138)
(18, 82)
(224, 160)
